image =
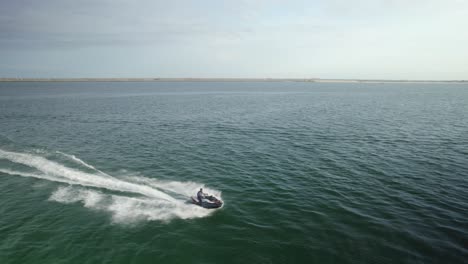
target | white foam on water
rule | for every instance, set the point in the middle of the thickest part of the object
(81, 162)
(181, 188)
(132, 198)
(69, 194)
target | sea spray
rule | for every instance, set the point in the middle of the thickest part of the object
(131, 198)
(80, 162)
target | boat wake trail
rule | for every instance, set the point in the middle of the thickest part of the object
(128, 199)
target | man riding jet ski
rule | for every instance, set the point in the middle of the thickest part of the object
(206, 201)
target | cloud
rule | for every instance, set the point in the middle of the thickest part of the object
(334, 38)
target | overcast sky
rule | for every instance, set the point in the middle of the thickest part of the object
(367, 39)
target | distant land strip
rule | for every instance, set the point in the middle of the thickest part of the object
(318, 80)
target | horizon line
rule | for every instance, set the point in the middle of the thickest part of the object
(219, 79)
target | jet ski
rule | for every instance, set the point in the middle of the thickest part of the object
(209, 202)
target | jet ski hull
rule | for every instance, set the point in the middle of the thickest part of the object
(209, 202)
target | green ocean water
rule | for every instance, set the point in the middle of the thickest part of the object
(309, 172)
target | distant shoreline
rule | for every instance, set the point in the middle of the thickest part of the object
(313, 80)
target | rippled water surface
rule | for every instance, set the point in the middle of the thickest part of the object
(309, 172)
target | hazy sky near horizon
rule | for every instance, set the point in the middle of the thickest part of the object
(367, 39)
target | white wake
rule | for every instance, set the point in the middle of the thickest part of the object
(79, 161)
(128, 199)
